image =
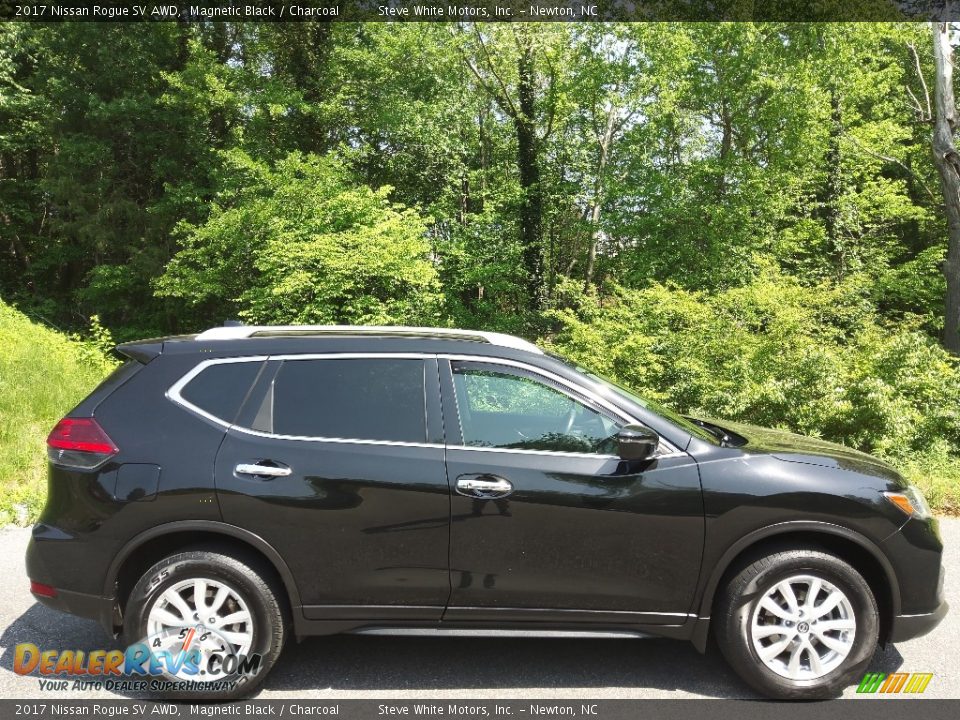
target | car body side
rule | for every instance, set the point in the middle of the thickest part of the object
(100, 529)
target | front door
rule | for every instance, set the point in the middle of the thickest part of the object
(337, 462)
(547, 524)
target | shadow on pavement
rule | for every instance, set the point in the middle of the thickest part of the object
(509, 665)
(376, 664)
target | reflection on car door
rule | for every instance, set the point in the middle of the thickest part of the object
(338, 464)
(547, 524)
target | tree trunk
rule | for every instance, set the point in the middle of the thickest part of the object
(726, 148)
(531, 212)
(605, 142)
(948, 165)
(834, 188)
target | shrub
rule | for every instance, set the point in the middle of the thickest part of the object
(814, 360)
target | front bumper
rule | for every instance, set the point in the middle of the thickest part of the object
(907, 627)
(916, 554)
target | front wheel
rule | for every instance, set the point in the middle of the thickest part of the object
(206, 626)
(798, 624)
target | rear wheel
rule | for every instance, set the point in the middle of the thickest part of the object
(211, 624)
(798, 624)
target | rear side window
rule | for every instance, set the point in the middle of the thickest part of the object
(359, 399)
(220, 389)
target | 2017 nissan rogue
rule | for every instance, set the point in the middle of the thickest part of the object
(223, 491)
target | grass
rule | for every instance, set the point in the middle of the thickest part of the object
(43, 374)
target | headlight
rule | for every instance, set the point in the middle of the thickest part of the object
(911, 501)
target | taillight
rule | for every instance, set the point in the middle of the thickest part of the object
(79, 443)
(42, 590)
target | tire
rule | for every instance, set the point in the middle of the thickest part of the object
(243, 588)
(747, 624)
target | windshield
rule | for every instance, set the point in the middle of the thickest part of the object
(643, 402)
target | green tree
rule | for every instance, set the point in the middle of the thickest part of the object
(301, 243)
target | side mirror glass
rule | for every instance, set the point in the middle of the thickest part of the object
(636, 442)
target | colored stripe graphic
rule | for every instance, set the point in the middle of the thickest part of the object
(918, 682)
(894, 683)
(898, 682)
(871, 682)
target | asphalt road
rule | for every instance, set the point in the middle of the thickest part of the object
(381, 667)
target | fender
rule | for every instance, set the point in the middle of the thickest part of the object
(710, 589)
(212, 526)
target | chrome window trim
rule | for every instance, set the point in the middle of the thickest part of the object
(174, 393)
(571, 387)
(342, 441)
(522, 451)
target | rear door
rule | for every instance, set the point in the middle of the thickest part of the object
(337, 461)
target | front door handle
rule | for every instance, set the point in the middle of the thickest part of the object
(262, 470)
(484, 486)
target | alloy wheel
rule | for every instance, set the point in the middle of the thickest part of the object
(803, 627)
(201, 614)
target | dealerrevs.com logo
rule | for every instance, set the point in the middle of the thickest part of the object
(899, 682)
(193, 659)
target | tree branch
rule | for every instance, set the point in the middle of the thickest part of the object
(923, 83)
(504, 97)
(886, 158)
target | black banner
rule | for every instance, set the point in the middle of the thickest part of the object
(476, 10)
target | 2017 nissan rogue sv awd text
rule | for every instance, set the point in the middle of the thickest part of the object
(223, 491)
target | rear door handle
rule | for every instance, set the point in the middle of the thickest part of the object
(262, 470)
(484, 486)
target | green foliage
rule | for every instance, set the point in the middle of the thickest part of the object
(299, 243)
(741, 218)
(95, 344)
(43, 374)
(814, 360)
(915, 287)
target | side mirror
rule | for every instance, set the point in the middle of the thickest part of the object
(636, 442)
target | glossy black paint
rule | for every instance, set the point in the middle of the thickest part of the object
(637, 443)
(368, 533)
(358, 525)
(575, 534)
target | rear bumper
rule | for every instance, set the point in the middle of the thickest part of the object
(82, 605)
(42, 553)
(907, 627)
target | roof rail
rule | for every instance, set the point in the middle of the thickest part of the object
(247, 331)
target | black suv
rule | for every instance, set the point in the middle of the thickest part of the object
(222, 491)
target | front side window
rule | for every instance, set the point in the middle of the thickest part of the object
(512, 410)
(357, 398)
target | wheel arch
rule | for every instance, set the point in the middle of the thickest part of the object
(849, 545)
(140, 553)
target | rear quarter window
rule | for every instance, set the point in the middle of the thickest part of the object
(221, 388)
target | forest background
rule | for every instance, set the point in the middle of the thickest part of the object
(741, 220)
